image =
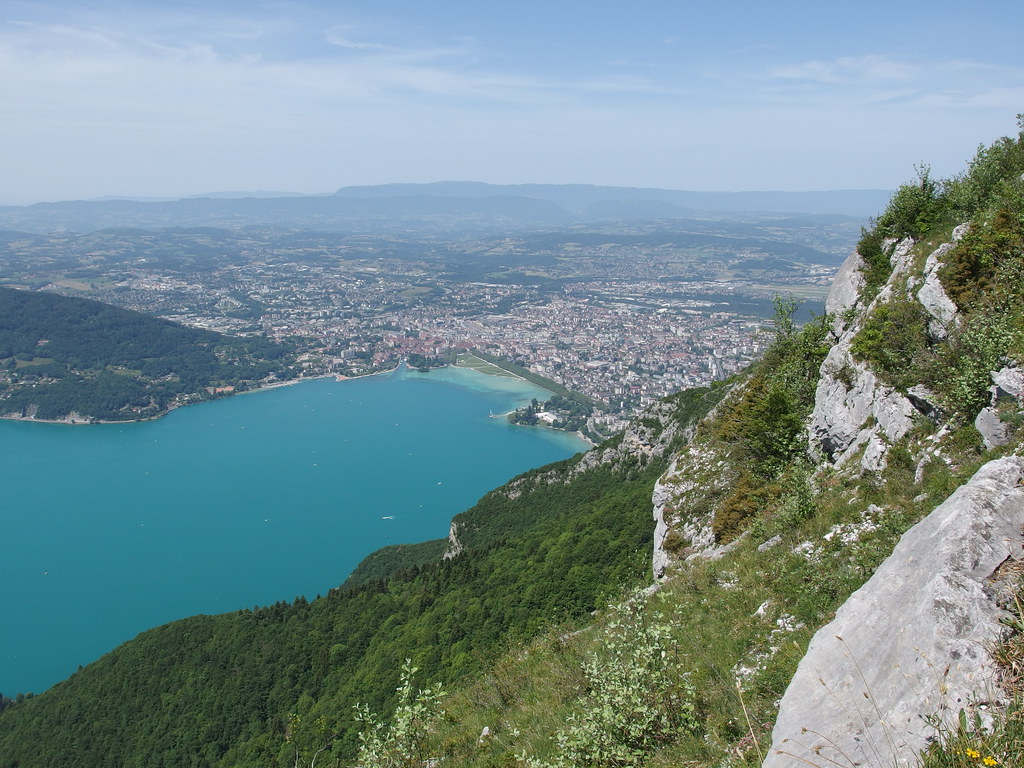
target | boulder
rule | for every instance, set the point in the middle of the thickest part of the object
(1006, 383)
(846, 286)
(933, 297)
(1009, 382)
(913, 645)
(994, 432)
(926, 402)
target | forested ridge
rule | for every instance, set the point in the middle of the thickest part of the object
(62, 355)
(554, 544)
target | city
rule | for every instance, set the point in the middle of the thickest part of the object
(621, 320)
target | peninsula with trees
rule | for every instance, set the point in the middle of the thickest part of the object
(77, 360)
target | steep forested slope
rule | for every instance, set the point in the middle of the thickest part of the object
(63, 355)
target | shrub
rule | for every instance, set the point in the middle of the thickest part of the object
(982, 257)
(402, 744)
(675, 542)
(916, 209)
(877, 266)
(894, 339)
(797, 502)
(986, 176)
(979, 347)
(636, 698)
(766, 421)
(741, 505)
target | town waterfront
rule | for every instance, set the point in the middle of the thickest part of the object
(112, 529)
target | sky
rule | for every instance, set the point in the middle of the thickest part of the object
(169, 99)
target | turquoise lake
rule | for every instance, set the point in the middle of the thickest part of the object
(109, 530)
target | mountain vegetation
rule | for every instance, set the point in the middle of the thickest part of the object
(77, 359)
(776, 495)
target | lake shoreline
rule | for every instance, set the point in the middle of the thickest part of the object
(187, 515)
(74, 420)
(77, 421)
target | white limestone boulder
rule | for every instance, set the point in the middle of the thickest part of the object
(914, 642)
(940, 308)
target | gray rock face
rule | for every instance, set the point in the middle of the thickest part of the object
(933, 296)
(902, 256)
(692, 472)
(842, 403)
(853, 409)
(913, 642)
(660, 498)
(993, 431)
(691, 475)
(454, 548)
(847, 284)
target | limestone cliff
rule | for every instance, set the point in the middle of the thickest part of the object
(912, 647)
(856, 414)
(907, 375)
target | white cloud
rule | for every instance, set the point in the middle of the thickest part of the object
(950, 82)
(860, 70)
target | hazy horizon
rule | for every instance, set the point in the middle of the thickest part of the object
(270, 194)
(121, 98)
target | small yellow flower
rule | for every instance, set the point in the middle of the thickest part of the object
(990, 761)
(972, 753)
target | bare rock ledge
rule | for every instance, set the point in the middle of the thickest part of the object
(914, 642)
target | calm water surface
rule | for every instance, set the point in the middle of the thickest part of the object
(112, 529)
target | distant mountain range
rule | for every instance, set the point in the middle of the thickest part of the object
(632, 202)
(440, 208)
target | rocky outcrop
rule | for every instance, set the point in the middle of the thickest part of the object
(653, 433)
(1007, 384)
(454, 548)
(682, 511)
(853, 409)
(933, 297)
(662, 494)
(854, 412)
(682, 499)
(914, 642)
(846, 287)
